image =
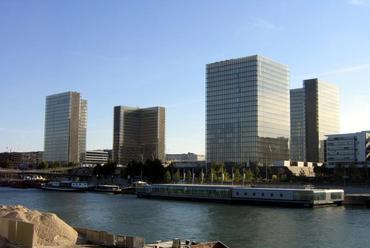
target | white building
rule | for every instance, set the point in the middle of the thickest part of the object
(348, 149)
(184, 157)
(96, 157)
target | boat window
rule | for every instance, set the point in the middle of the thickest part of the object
(281, 195)
(254, 194)
(245, 193)
(319, 196)
(237, 193)
(263, 194)
(272, 195)
(335, 195)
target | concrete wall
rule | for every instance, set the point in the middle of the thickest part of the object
(17, 232)
(110, 240)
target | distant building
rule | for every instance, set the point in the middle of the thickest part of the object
(314, 114)
(139, 134)
(65, 128)
(348, 149)
(296, 168)
(247, 111)
(21, 159)
(194, 166)
(96, 157)
(110, 154)
(184, 157)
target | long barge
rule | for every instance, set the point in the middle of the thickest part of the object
(247, 195)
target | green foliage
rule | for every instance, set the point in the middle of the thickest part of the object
(105, 170)
(55, 164)
(217, 170)
(176, 176)
(151, 170)
(5, 164)
(189, 177)
(249, 175)
(72, 164)
(238, 177)
(283, 178)
(167, 177)
(43, 165)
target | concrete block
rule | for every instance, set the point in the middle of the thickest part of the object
(17, 232)
(129, 241)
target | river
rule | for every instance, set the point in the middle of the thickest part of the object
(238, 226)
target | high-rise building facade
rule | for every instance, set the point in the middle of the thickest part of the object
(65, 128)
(247, 111)
(297, 125)
(138, 134)
(317, 106)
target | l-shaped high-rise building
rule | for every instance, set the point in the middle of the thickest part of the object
(65, 128)
(315, 114)
(247, 111)
(138, 134)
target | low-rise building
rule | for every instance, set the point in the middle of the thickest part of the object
(348, 149)
(21, 160)
(184, 157)
(96, 157)
(297, 168)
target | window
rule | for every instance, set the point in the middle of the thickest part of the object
(245, 193)
(263, 194)
(272, 195)
(281, 195)
(254, 194)
(335, 195)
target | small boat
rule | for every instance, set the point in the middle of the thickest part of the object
(68, 186)
(108, 188)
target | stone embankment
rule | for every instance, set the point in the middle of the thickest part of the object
(21, 227)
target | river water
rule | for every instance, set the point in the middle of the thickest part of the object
(238, 226)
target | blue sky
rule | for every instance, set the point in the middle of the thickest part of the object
(149, 53)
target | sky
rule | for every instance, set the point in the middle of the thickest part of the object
(154, 52)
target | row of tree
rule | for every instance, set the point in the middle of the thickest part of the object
(46, 165)
(154, 171)
(350, 174)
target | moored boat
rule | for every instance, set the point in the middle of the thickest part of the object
(246, 195)
(106, 188)
(67, 186)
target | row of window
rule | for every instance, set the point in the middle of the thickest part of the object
(262, 194)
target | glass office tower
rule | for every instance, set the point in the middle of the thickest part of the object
(247, 111)
(65, 128)
(138, 134)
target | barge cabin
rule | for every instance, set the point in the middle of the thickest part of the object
(248, 195)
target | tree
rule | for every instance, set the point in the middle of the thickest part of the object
(237, 174)
(71, 164)
(176, 176)
(167, 177)
(5, 164)
(55, 164)
(43, 165)
(249, 176)
(188, 176)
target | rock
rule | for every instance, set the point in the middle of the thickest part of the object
(50, 230)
